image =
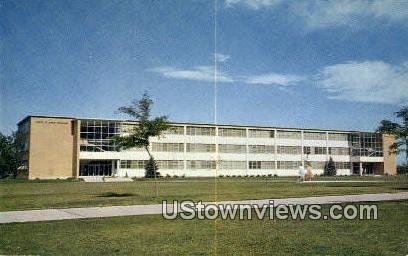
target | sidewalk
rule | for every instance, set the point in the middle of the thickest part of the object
(134, 210)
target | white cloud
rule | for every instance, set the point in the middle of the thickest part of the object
(369, 81)
(221, 57)
(206, 73)
(320, 14)
(254, 4)
(274, 79)
(199, 73)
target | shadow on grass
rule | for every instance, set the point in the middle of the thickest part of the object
(113, 194)
(401, 188)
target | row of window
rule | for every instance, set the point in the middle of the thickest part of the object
(338, 165)
(254, 133)
(227, 165)
(162, 164)
(96, 136)
(241, 149)
(114, 127)
(107, 145)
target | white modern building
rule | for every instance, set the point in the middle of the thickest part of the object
(60, 147)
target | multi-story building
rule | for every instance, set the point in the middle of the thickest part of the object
(61, 147)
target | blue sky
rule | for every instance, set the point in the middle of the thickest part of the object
(335, 64)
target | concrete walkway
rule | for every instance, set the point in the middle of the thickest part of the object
(134, 210)
(343, 181)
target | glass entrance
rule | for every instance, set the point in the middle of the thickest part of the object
(96, 168)
(368, 168)
(356, 168)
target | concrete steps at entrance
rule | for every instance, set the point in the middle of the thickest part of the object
(92, 178)
(117, 179)
(105, 179)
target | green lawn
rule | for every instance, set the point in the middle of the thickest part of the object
(19, 195)
(153, 235)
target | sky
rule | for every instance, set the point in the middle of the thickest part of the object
(307, 64)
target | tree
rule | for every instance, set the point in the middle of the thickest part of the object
(399, 130)
(329, 168)
(10, 155)
(402, 169)
(146, 128)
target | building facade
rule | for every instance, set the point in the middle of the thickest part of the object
(63, 147)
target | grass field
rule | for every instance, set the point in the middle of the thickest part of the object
(152, 235)
(19, 195)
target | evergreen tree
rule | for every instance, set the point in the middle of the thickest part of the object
(151, 169)
(330, 168)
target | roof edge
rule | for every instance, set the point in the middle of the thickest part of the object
(191, 123)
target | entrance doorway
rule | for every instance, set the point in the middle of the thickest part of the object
(95, 168)
(367, 168)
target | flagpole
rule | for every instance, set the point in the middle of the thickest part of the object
(215, 123)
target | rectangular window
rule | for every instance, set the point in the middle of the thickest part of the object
(270, 165)
(231, 132)
(320, 151)
(133, 164)
(314, 135)
(338, 136)
(342, 165)
(231, 165)
(257, 133)
(200, 131)
(168, 147)
(170, 164)
(290, 150)
(339, 151)
(289, 135)
(261, 149)
(97, 135)
(367, 144)
(288, 165)
(128, 127)
(175, 130)
(203, 148)
(201, 164)
(318, 165)
(314, 150)
(231, 148)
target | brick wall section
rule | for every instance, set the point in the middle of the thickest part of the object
(52, 148)
(390, 164)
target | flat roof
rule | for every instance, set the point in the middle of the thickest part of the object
(190, 123)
